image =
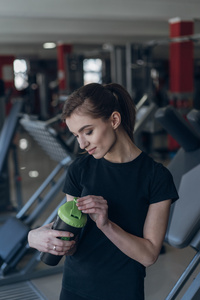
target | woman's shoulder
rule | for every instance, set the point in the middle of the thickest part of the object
(154, 167)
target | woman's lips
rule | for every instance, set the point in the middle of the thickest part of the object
(91, 151)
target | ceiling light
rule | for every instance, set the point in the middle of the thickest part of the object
(49, 45)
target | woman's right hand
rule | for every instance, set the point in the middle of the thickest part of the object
(45, 239)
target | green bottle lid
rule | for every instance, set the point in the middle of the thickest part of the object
(71, 215)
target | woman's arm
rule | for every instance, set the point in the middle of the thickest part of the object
(145, 250)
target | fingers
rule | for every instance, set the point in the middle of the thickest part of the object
(46, 239)
(57, 246)
(61, 249)
(96, 207)
(60, 234)
(92, 204)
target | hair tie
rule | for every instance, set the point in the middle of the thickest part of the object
(110, 88)
(115, 95)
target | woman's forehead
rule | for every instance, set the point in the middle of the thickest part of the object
(79, 120)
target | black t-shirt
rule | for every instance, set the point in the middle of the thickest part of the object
(99, 270)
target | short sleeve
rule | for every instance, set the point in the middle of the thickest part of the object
(162, 185)
(72, 180)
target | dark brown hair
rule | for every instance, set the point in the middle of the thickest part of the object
(100, 101)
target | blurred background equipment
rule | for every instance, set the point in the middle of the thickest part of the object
(49, 50)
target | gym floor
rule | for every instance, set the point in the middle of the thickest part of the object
(160, 278)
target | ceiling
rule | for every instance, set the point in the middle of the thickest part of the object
(88, 24)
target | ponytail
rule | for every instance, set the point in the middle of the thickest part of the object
(126, 107)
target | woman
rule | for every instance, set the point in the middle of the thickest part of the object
(124, 192)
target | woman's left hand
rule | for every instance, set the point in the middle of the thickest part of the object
(96, 207)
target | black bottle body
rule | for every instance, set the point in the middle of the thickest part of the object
(59, 224)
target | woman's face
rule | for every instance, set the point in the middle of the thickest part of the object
(96, 136)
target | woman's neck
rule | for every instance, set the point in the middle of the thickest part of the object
(123, 151)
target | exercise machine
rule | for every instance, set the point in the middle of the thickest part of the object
(13, 233)
(6, 144)
(184, 222)
(145, 124)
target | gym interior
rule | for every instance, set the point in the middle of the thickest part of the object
(49, 49)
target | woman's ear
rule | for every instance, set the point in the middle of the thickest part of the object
(115, 119)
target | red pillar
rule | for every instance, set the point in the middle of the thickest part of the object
(7, 75)
(62, 51)
(181, 67)
(6, 70)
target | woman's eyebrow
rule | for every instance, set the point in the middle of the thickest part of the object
(82, 128)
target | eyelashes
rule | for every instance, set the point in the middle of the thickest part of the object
(89, 132)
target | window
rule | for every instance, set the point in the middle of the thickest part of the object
(92, 69)
(20, 74)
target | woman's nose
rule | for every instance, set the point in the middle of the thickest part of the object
(83, 143)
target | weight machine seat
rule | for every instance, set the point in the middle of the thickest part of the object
(13, 234)
(184, 221)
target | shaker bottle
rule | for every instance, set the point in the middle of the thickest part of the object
(69, 218)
